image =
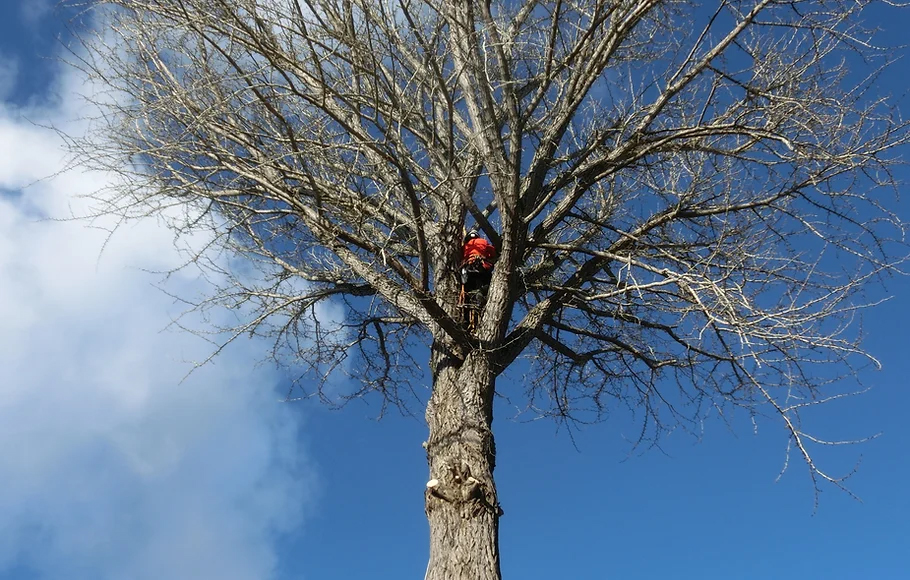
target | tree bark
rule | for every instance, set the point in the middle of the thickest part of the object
(461, 501)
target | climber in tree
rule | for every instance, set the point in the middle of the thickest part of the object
(478, 256)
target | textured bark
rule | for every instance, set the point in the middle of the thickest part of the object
(461, 501)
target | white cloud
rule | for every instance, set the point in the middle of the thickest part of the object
(110, 466)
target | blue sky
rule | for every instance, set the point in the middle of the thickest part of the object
(111, 467)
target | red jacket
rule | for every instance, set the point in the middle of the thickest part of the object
(479, 249)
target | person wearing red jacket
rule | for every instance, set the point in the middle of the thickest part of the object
(478, 256)
(477, 249)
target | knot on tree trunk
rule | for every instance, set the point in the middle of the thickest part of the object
(457, 486)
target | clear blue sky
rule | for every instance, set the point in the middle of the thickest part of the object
(111, 468)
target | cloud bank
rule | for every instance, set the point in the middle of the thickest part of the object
(110, 466)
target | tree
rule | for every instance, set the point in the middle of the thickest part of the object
(685, 200)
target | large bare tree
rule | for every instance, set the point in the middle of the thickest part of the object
(686, 199)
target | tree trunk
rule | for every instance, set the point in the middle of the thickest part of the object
(461, 501)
